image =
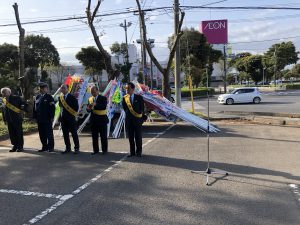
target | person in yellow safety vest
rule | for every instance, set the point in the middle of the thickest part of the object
(99, 120)
(12, 110)
(133, 106)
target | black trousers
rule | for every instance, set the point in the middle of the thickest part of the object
(134, 130)
(46, 135)
(102, 129)
(15, 131)
(70, 126)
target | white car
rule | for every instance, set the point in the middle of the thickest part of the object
(241, 95)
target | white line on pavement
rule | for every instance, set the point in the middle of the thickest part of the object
(295, 190)
(84, 186)
(30, 193)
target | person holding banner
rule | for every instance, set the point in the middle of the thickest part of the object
(43, 112)
(12, 110)
(69, 106)
(99, 120)
(134, 109)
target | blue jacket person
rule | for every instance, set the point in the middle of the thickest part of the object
(12, 110)
(43, 112)
(99, 120)
(69, 106)
(134, 108)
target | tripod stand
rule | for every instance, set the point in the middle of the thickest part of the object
(209, 170)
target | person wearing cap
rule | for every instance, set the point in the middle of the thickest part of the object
(12, 112)
(43, 112)
(69, 106)
(133, 106)
(99, 120)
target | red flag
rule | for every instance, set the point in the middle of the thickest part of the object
(68, 80)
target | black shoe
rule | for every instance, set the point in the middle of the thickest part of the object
(94, 153)
(51, 150)
(66, 151)
(42, 150)
(104, 153)
(76, 152)
(13, 149)
(139, 155)
(20, 150)
(130, 155)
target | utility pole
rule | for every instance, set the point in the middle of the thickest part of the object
(143, 51)
(177, 56)
(21, 49)
(125, 26)
(275, 59)
(225, 70)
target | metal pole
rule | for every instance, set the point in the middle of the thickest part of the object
(125, 28)
(142, 50)
(225, 70)
(208, 121)
(151, 69)
(275, 66)
(177, 56)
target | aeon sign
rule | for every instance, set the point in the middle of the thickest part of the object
(215, 31)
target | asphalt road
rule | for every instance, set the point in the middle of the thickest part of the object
(263, 163)
(287, 103)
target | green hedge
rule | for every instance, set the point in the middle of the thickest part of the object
(196, 92)
(293, 86)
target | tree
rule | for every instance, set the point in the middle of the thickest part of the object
(104, 54)
(60, 72)
(195, 52)
(92, 60)
(118, 49)
(254, 67)
(121, 49)
(165, 71)
(9, 60)
(40, 52)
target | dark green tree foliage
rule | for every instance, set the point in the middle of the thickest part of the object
(121, 49)
(39, 52)
(284, 55)
(9, 66)
(91, 59)
(195, 55)
(44, 76)
(118, 49)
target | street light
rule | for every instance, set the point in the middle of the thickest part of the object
(125, 25)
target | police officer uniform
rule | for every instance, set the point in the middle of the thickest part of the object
(134, 109)
(43, 112)
(12, 110)
(99, 121)
(69, 106)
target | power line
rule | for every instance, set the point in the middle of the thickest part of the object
(155, 9)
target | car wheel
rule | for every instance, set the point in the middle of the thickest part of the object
(256, 100)
(229, 101)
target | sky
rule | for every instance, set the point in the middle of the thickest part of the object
(249, 30)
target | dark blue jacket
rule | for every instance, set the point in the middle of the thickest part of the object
(9, 115)
(101, 104)
(44, 108)
(73, 103)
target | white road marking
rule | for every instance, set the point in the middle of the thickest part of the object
(4, 148)
(30, 193)
(295, 190)
(84, 186)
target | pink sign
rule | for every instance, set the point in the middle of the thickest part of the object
(215, 31)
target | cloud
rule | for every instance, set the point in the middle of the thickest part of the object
(33, 10)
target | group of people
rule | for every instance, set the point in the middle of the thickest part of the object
(44, 111)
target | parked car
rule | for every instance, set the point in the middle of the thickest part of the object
(241, 95)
